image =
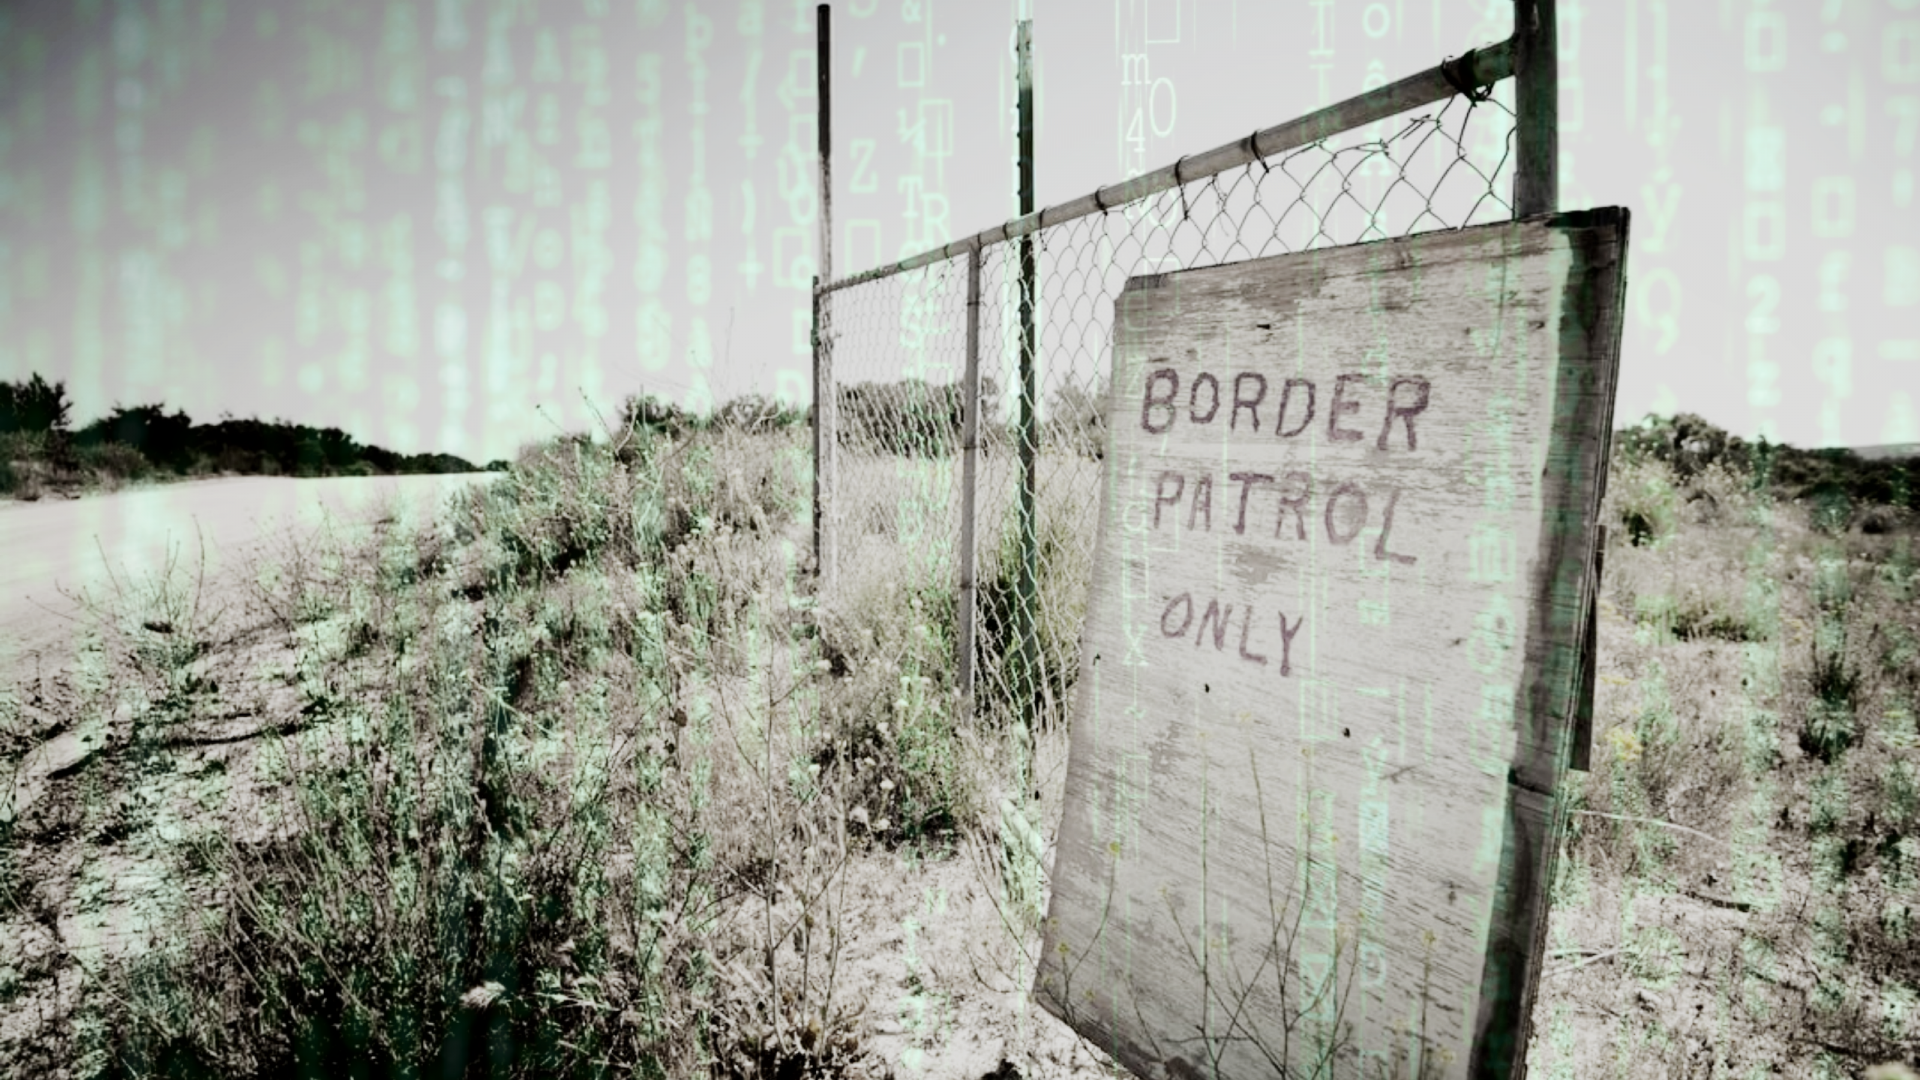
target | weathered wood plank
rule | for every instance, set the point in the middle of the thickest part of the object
(1332, 651)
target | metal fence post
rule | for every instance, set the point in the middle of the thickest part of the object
(969, 472)
(823, 440)
(825, 427)
(1536, 93)
(1026, 585)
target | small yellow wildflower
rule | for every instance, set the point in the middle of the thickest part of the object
(1626, 743)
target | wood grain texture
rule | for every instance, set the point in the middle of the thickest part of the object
(1332, 656)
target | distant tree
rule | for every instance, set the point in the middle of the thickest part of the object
(1076, 421)
(338, 450)
(991, 402)
(1827, 479)
(165, 439)
(909, 418)
(755, 413)
(647, 412)
(383, 460)
(34, 406)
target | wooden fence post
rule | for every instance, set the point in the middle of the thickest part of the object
(1536, 93)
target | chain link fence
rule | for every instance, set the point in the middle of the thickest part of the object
(1018, 554)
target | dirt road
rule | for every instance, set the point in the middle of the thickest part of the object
(52, 550)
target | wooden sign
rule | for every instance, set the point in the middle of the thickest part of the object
(1332, 652)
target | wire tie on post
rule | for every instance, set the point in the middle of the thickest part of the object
(1181, 184)
(1459, 75)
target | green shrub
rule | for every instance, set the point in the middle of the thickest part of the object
(1695, 615)
(889, 703)
(1077, 421)
(723, 480)
(22, 446)
(1829, 726)
(115, 460)
(409, 928)
(564, 502)
(1829, 507)
(1008, 674)
(756, 414)
(466, 885)
(1644, 502)
(651, 415)
(25, 480)
(1684, 442)
(909, 418)
(1900, 796)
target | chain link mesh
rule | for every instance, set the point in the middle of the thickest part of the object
(899, 355)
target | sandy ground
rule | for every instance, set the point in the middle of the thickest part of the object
(57, 549)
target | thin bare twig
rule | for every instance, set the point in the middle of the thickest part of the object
(1651, 821)
(1593, 958)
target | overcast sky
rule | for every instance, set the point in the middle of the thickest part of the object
(443, 224)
